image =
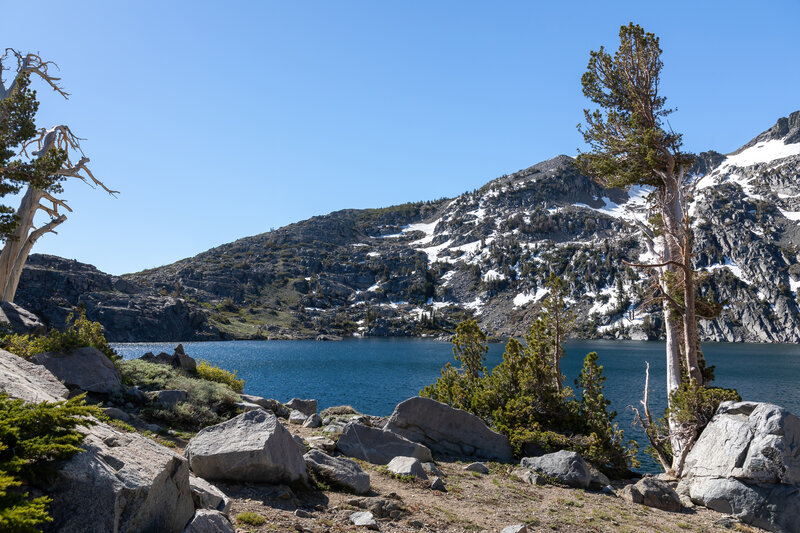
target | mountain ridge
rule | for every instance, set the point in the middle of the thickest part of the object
(419, 268)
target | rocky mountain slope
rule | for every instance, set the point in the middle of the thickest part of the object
(417, 269)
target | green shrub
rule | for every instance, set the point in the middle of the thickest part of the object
(207, 402)
(31, 436)
(78, 333)
(251, 519)
(207, 371)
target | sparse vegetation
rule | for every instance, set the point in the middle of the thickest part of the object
(78, 332)
(31, 437)
(209, 372)
(251, 519)
(208, 402)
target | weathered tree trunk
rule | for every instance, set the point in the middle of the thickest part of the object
(671, 217)
(689, 313)
(17, 243)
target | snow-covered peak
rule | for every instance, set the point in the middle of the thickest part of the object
(762, 152)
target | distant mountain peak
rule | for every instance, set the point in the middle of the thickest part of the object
(786, 129)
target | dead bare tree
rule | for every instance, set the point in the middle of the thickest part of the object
(43, 163)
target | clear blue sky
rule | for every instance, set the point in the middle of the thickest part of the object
(220, 120)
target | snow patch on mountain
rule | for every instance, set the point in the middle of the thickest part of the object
(763, 152)
(527, 297)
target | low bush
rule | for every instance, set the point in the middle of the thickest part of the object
(209, 372)
(208, 402)
(78, 332)
(251, 519)
(32, 436)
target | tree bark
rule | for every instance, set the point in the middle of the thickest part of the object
(16, 244)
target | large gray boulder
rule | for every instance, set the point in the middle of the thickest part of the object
(378, 446)
(30, 382)
(566, 466)
(747, 463)
(448, 431)
(123, 482)
(341, 471)
(253, 446)
(85, 368)
(19, 320)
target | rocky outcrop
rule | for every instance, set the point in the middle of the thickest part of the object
(378, 446)
(448, 431)
(86, 368)
(307, 407)
(52, 287)
(21, 321)
(122, 482)
(565, 466)
(341, 471)
(747, 463)
(253, 446)
(28, 381)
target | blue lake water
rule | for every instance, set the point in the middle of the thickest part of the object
(373, 375)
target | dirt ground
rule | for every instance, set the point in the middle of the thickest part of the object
(473, 503)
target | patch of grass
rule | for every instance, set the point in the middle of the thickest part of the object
(251, 519)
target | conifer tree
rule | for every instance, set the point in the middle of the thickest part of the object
(632, 144)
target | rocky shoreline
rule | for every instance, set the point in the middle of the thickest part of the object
(427, 467)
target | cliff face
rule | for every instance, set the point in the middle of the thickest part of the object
(420, 268)
(52, 287)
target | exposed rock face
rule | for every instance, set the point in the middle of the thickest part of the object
(378, 446)
(407, 466)
(19, 320)
(85, 368)
(568, 467)
(253, 446)
(448, 431)
(30, 382)
(341, 471)
(52, 287)
(747, 463)
(123, 482)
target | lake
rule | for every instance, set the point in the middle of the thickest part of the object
(375, 374)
